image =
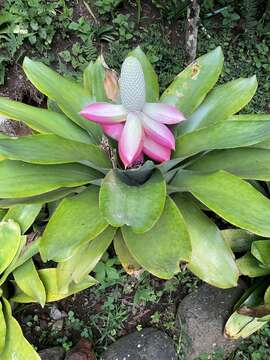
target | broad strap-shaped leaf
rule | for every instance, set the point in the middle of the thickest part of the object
(93, 80)
(212, 259)
(19, 179)
(24, 215)
(46, 197)
(76, 221)
(10, 238)
(52, 149)
(43, 121)
(160, 249)
(248, 265)
(190, 87)
(222, 102)
(24, 253)
(131, 266)
(260, 249)
(224, 135)
(240, 325)
(84, 260)
(136, 206)
(16, 346)
(28, 280)
(247, 163)
(3, 329)
(53, 293)
(150, 76)
(239, 240)
(235, 200)
(69, 95)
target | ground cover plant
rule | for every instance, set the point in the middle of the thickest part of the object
(125, 31)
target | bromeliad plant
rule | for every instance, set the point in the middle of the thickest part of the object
(169, 165)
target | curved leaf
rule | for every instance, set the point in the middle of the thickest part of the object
(70, 96)
(10, 239)
(150, 76)
(212, 259)
(247, 163)
(75, 221)
(190, 87)
(128, 262)
(160, 249)
(93, 80)
(136, 206)
(224, 135)
(53, 293)
(19, 179)
(84, 260)
(27, 278)
(16, 346)
(230, 197)
(225, 100)
(250, 266)
(43, 121)
(3, 329)
(52, 149)
(260, 249)
(24, 215)
(239, 240)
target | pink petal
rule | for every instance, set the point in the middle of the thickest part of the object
(163, 113)
(114, 131)
(156, 151)
(158, 132)
(131, 141)
(104, 113)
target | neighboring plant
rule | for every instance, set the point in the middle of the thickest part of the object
(152, 211)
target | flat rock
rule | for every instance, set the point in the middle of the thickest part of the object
(201, 317)
(149, 344)
(56, 353)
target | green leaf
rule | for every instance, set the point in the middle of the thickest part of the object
(27, 278)
(131, 266)
(10, 238)
(242, 326)
(16, 346)
(160, 249)
(43, 121)
(239, 240)
(247, 163)
(49, 280)
(3, 329)
(24, 253)
(24, 215)
(69, 95)
(212, 259)
(84, 260)
(52, 149)
(150, 76)
(75, 221)
(224, 135)
(2, 213)
(235, 200)
(190, 87)
(136, 206)
(261, 251)
(93, 80)
(19, 179)
(225, 100)
(40, 199)
(250, 266)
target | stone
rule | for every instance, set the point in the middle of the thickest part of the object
(201, 317)
(149, 344)
(56, 353)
